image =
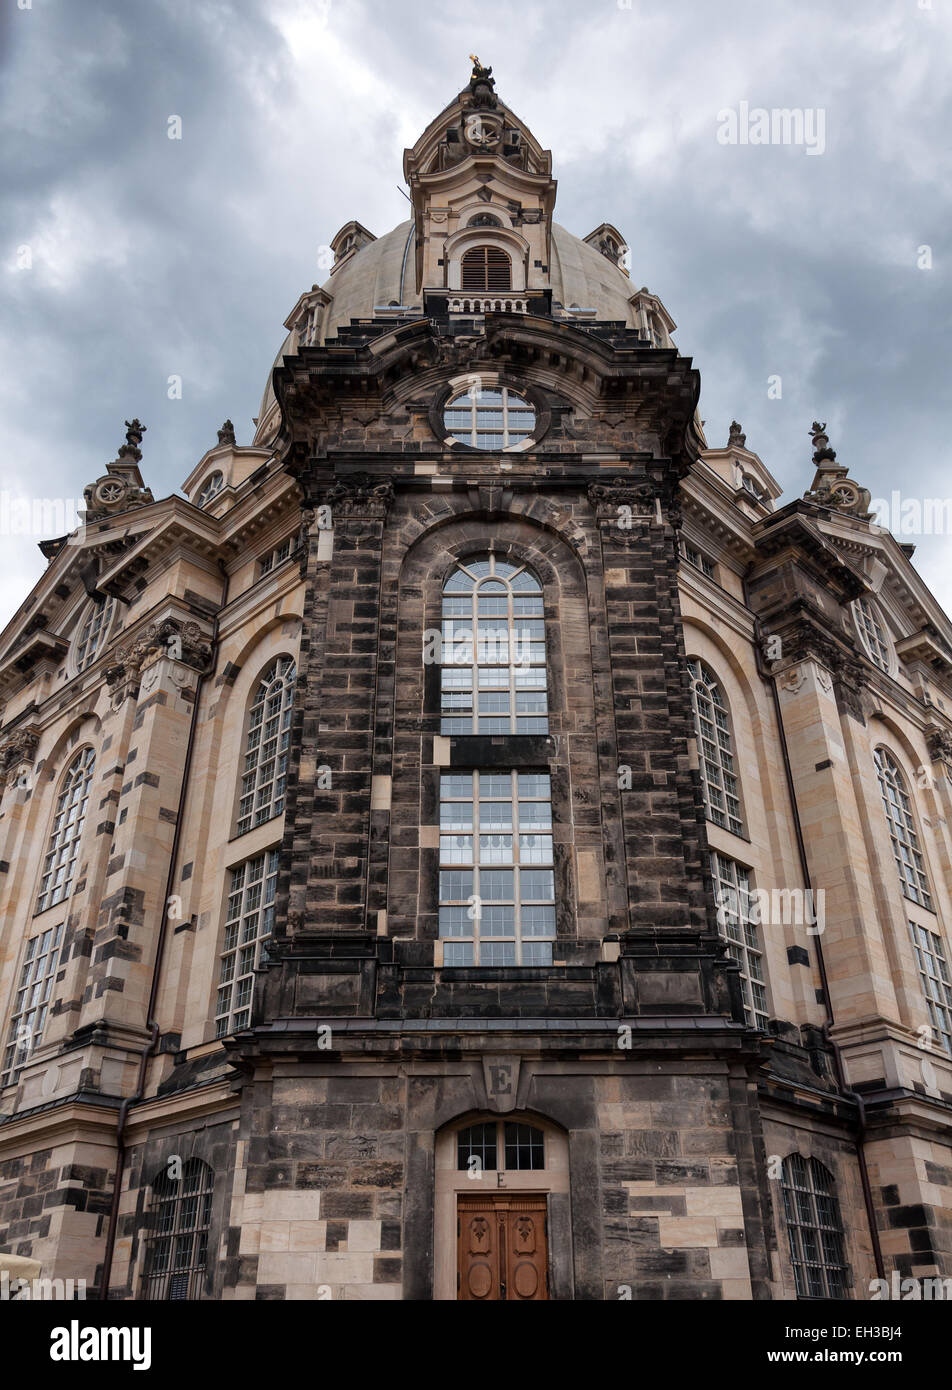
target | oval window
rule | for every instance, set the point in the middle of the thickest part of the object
(489, 417)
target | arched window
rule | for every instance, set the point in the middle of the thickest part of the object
(716, 749)
(872, 633)
(59, 866)
(94, 630)
(486, 268)
(902, 830)
(264, 771)
(180, 1214)
(210, 488)
(493, 669)
(814, 1228)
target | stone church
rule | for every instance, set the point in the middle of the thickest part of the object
(481, 842)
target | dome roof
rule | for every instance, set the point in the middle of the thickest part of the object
(379, 274)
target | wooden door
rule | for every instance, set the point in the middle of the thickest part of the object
(502, 1249)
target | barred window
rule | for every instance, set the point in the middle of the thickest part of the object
(94, 631)
(180, 1213)
(814, 1228)
(936, 982)
(249, 921)
(31, 1001)
(211, 487)
(493, 669)
(486, 268)
(732, 891)
(902, 830)
(716, 749)
(479, 1147)
(264, 772)
(489, 417)
(59, 865)
(497, 889)
(872, 633)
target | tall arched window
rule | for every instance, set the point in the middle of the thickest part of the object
(94, 630)
(902, 830)
(180, 1214)
(264, 772)
(486, 268)
(716, 749)
(493, 669)
(872, 633)
(814, 1228)
(59, 865)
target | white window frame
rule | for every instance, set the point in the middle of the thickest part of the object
(65, 837)
(903, 832)
(472, 927)
(732, 892)
(249, 922)
(261, 790)
(493, 657)
(31, 1000)
(518, 418)
(935, 980)
(210, 488)
(872, 634)
(93, 631)
(715, 740)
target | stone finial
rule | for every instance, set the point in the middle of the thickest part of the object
(134, 432)
(226, 435)
(822, 453)
(736, 439)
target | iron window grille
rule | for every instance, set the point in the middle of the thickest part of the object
(521, 1146)
(814, 1228)
(177, 1245)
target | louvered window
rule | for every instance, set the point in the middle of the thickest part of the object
(487, 268)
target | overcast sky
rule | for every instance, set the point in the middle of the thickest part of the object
(153, 257)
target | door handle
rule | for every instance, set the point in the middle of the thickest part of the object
(502, 1290)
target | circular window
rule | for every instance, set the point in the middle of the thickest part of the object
(211, 486)
(489, 417)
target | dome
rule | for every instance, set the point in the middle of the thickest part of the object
(379, 274)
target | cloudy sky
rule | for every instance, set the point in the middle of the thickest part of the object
(127, 257)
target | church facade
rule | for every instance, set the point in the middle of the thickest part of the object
(481, 842)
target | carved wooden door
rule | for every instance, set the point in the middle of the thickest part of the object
(502, 1249)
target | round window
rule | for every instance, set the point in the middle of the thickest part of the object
(489, 417)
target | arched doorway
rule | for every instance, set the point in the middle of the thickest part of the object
(502, 1232)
